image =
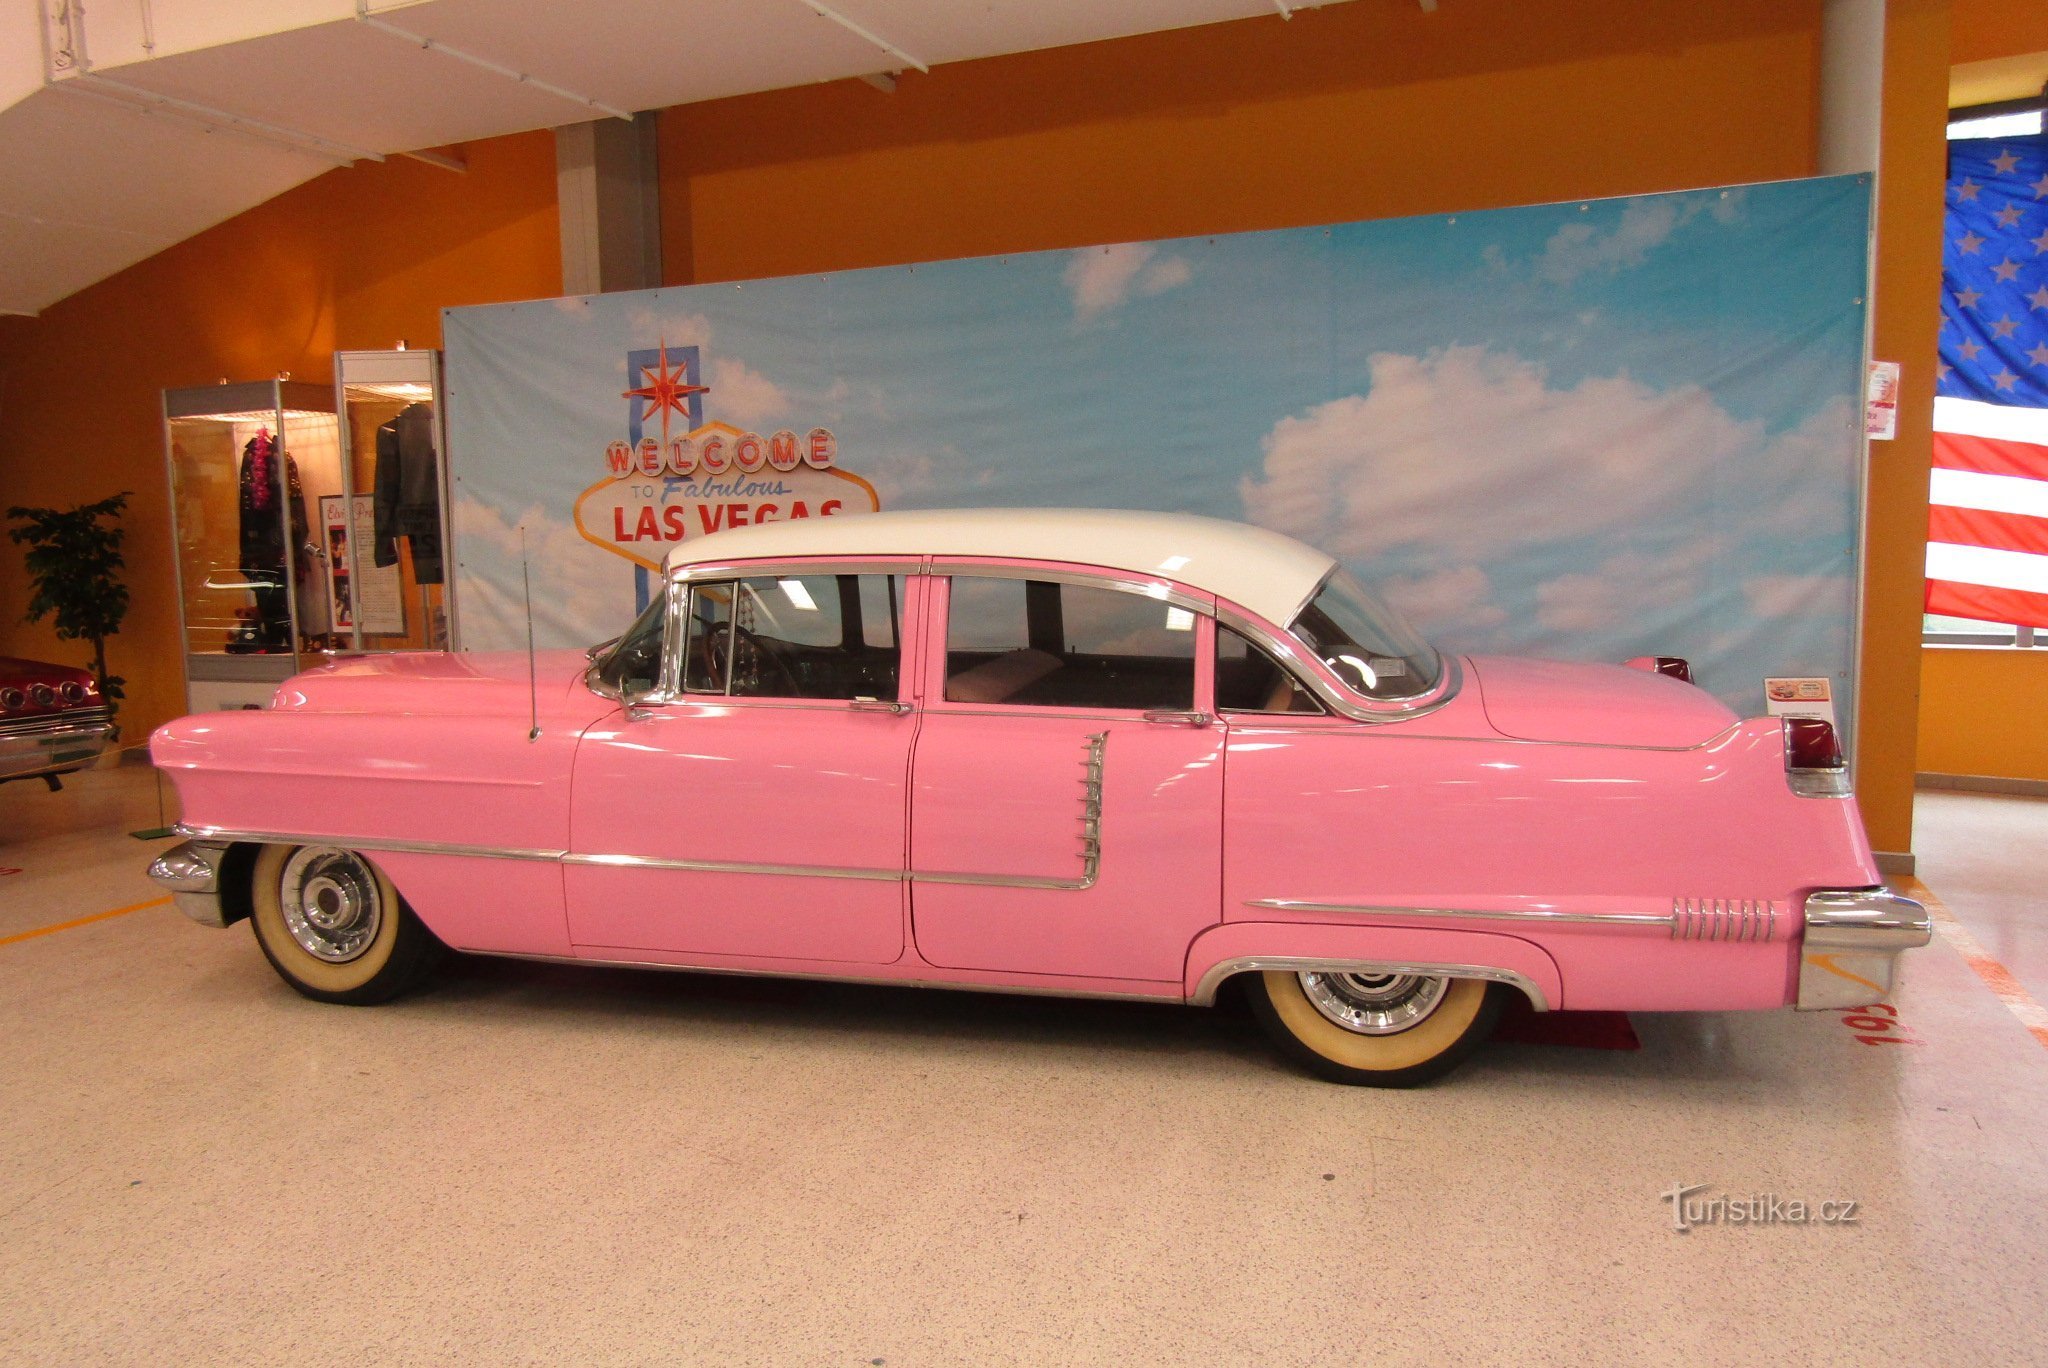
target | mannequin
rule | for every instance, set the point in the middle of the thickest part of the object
(263, 539)
(408, 492)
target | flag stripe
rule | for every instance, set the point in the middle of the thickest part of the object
(1986, 605)
(1989, 456)
(1985, 566)
(1996, 493)
(1976, 527)
(1975, 418)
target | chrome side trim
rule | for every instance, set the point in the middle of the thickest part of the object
(790, 569)
(481, 852)
(1091, 837)
(1212, 978)
(1369, 909)
(1723, 919)
(733, 867)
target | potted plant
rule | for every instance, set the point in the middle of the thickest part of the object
(74, 565)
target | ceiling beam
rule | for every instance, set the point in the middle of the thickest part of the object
(421, 41)
(825, 12)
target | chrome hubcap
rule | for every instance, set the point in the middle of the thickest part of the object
(1374, 1004)
(331, 905)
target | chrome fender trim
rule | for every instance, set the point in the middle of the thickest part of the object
(1213, 976)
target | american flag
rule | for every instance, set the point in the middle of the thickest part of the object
(1987, 539)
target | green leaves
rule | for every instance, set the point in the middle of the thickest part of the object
(74, 564)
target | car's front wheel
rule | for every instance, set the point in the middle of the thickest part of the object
(1379, 1029)
(334, 928)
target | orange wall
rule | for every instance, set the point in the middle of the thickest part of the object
(1989, 29)
(1364, 110)
(357, 258)
(1980, 712)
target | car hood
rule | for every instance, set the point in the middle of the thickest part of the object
(1605, 705)
(484, 683)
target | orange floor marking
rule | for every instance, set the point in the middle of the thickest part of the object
(1996, 976)
(83, 921)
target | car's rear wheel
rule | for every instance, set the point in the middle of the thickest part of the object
(334, 928)
(1378, 1029)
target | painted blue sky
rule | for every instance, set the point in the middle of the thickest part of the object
(1584, 430)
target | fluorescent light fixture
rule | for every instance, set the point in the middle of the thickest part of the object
(794, 591)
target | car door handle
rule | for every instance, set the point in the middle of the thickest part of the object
(880, 705)
(1173, 717)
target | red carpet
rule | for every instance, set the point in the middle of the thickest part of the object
(1521, 1024)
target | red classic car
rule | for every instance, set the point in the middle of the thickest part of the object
(1087, 753)
(52, 720)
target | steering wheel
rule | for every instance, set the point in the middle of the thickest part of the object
(754, 652)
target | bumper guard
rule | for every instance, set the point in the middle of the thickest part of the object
(192, 872)
(1852, 945)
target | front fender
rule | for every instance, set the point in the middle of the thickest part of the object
(1240, 947)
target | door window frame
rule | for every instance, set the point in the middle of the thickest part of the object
(938, 603)
(910, 628)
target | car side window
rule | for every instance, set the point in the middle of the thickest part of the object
(633, 664)
(1250, 680)
(795, 636)
(1052, 644)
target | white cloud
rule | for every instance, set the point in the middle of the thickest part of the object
(1577, 248)
(581, 593)
(1452, 602)
(1628, 591)
(1472, 453)
(741, 395)
(1789, 596)
(1104, 278)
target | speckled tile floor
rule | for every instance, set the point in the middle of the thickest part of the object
(538, 1164)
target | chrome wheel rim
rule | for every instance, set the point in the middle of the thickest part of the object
(1374, 1004)
(331, 904)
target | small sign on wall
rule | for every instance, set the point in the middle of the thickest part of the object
(1881, 401)
(1800, 698)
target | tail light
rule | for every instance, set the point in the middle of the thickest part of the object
(1814, 765)
(43, 695)
(1676, 666)
(72, 691)
(12, 698)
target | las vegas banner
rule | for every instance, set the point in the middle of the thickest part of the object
(1589, 430)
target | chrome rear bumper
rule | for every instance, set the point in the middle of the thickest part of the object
(1852, 944)
(59, 748)
(192, 872)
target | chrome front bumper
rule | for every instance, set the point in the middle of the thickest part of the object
(1852, 945)
(58, 749)
(192, 872)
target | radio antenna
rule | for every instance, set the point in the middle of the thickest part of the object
(532, 669)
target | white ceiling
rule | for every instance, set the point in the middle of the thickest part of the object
(186, 112)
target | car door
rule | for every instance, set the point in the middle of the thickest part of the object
(1066, 796)
(755, 806)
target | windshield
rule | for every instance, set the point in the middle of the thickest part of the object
(633, 666)
(1367, 644)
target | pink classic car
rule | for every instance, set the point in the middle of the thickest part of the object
(1083, 753)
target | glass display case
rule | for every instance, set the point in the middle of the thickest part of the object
(249, 466)
(385, 580)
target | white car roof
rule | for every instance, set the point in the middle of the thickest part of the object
(1270, 574)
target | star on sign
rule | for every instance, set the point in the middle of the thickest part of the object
(2006, 269)
(2039, 354)
(2040, 243)
(2040, 187)
(2005, 379)
(666, 389)
(1969, 243)
(2008, 216)
(1971, 346)
(2005, 161)
(1969, 188)
(1967, 299)
(2003, 328)
(2039, 298)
